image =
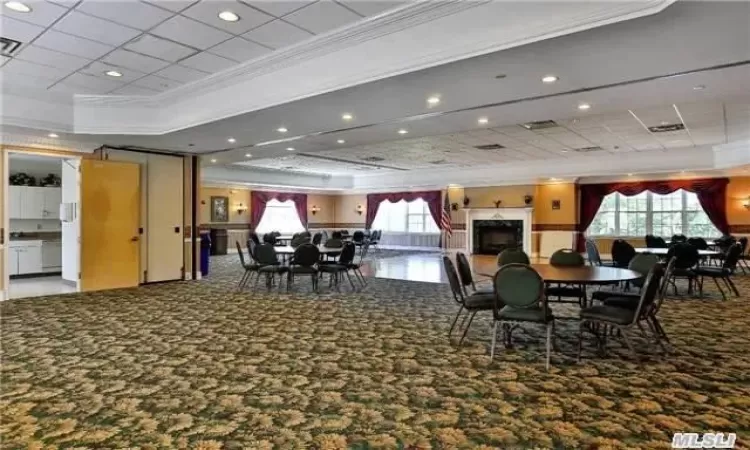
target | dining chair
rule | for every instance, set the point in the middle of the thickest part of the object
(375, 239)
(471, 303)
(641, 263)
(723, 273)
(317, 238)
(744, 257)
(250, 268)
(622, 253)
(679, 238)
(520, 299)
(253, 236)
(599, 318)
(567, 258)
(687, 258)
(512, 256)
(304, 262)
(466, 277)
(342, 266)
(299, 239)
(592, 253)
(267, 259)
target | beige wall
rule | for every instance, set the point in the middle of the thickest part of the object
(236, 197)
(738, 195)
(346, 214)
(544, 214)
(326, 216)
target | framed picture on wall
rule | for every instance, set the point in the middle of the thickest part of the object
(555, 204)
(219, 209)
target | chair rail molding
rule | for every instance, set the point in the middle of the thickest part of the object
(413, 37)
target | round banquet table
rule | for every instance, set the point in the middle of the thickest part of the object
(580, 275)
(663, 251)
(289, 250)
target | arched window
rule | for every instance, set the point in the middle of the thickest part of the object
(281, 217)
(403, 217)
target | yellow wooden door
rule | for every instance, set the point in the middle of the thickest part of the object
(110, 211)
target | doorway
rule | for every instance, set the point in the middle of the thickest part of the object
(43, 251)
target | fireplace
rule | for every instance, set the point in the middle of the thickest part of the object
(493, 236)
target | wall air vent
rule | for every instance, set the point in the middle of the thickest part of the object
(588, 149)
(667, 128)
(541, 125)
(8, 47)
(489, 147)
(372, 158)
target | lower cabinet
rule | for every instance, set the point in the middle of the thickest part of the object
(51, 256)
(25, 257)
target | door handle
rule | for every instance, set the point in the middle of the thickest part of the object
(134, 239)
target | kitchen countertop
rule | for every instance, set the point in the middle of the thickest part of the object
(49, 236)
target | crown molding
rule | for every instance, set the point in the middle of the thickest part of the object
(414, 37)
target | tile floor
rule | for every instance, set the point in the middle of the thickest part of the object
(36, 287)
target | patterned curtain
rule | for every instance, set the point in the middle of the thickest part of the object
(259, 199)
(432, 198)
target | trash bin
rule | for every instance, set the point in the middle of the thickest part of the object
(219, 238)
(205, 252)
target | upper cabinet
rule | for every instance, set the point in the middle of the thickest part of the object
(32, 202)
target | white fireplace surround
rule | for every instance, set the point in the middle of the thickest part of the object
(522, 214)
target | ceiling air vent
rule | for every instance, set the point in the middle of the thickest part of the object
(588, 149)
(667, 128)
(438, 162)
(541, 125)
(372, 158)
(489, 147)
(9, 46)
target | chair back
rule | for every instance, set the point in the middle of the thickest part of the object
(336, 235)
(567, 257)
(253, 236)
(242, 255)
(592, 252)
(269, 238)
(251, 245)
(650, 241)
(664, 286)
(698, 243)
(518, 286)
(622, 253)
(334, 243)
(363, 250)
(317, 238)
(344, 233)
(347, 253)
(299, 240)
(306, 234)
(651, 287)
(464, 271)
(455, 284)
(659, 242)
(306, 255)
(358, 236)
(725, 242)
(642, 263)
(325, 236)
(679, 238)
(265, 255)
(375, 236)
(512, 256)
(686, 255)
(732, 257)
(743, 244)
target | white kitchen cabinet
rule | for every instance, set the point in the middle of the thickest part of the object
(52, 198)
(25, 257)
(32, 202)
(51, 255)
(15, 200)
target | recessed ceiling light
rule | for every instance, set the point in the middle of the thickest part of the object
(341, 141)
(564, 151)
(282, 130)
(402, 131)
(231, 140)
(248, 155)
(434, 100)
(483, 120)
(228, 16)
(664, 122)
(630, 174)
(291, 149)
(213, 160)
(700, 87)
(113, 73)
(347, 116)
(53, 135)
(554, 179)
(18, 7)
(549, 79)
(584, 106)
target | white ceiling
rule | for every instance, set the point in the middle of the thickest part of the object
(158, 45)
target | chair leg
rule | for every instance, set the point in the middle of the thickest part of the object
(243, 280)
(657, 335)
(466, 330)
(257, 280)
(494, 340)
(660, 329)
(732, 286)
(581, 326)
(349, 277)
(629, 344)
(723, 296)
(549, 341)
(455, 320)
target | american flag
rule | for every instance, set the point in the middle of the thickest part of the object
(445, 219)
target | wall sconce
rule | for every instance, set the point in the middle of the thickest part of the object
(314, 209)
(360, 209)
(747, 203)
(241, 208)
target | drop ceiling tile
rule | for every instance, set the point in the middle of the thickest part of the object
(42, 13)
(134, 61)
(96, 29)
(72, 45)
(279, 8)
(208, 62)
(18, 30)
(370, 8)
(277, 34)
(17, 68)
(172, 5)
(99, 69)
(130, 13)
(184, 74)
(76, 89)
(3, 59)
(208, 12)
(51, 58)
(156, 83)
(189, 32)
(157, 47)
(99, 83)
(322, 16)
(239, 49)
(134, 90)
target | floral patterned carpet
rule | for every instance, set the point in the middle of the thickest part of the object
(198, 365)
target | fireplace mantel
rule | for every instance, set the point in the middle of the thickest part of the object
(522, 214)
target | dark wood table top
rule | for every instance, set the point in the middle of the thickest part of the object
(579, 275)
(663, 251)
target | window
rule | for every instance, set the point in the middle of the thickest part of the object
(281, 217)
(647, 213)
(402, 217)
